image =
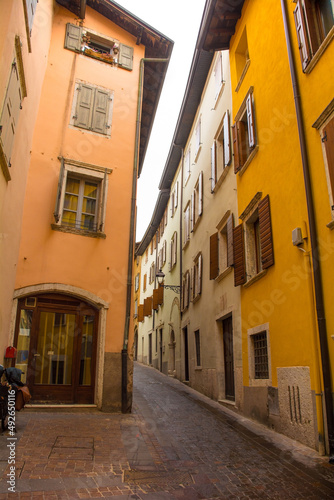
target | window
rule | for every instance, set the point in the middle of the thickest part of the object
(244, 139)
(174, 199)
(218, 74)
(314, 20)
(136, 308)
(98, 46)
(261, 367)
(152, 273)
(16, 91)
(327, 134)
(197, 202)
(198, 348)
(186, 222)
(242, 60)
(92, 108)
(185, 290)
(221, 248)
(29, 13)
(197, 277)
(173, 251)
(220, 153)
(187, 165)
(81, 198)
(137, 283)
(252, 242)
(144, 282)
(198, 137)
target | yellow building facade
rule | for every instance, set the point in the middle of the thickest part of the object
(274, 242)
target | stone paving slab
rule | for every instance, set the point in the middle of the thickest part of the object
(176, 444)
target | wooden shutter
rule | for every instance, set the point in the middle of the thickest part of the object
(199, 277)
(141, 312)
(311, 25)
(148, 303)
(214, 256)
(200, 194)
(250, 121)
(227, 145)
(104, 190)
(84, 108)
(160, 295)
(101, 111)
(266, 239)
(192, 283)
(229, 233)
(125, 58)
(57, 213)
(175, 247)
(304, 49)
(237, 165)
(239, 256)
(155, 299)
(73, 37)
(10, 112)
(213, 165)
(328, 140)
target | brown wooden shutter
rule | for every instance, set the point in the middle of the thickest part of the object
(141, 312)
(328, 139)
(311, 26)
(229, 232)
(304, 49)
(239, 256)
(237, 165)
(155, 299)
(266, 239)
(148, 304)
(242, 142)
(214, 256)
(160, 295)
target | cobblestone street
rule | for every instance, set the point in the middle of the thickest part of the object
(176, 444)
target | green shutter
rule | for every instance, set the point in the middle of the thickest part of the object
(100, 111)
(85, 104)
(73, 37)
(125, 59)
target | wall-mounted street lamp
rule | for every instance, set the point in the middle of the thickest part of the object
(161, 276)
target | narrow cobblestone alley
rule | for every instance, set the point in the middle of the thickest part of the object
(177, 444)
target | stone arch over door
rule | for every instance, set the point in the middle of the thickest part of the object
(95, 301)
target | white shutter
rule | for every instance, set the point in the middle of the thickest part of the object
(250, 121)
(303, 46)
(213, 166)
(31, 9)
(227, 145)
(200, 194)
(176, 189)
(164, 252)
(192, 214)
(175, 247)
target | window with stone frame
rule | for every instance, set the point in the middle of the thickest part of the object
(253, 249)
(221, 248)
(220, 153)
(197, 203)
(173, 251)
(244, 134)
(81, 198)
(196, 285)
(185, 300)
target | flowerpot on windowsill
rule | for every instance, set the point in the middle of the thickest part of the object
(96, 55)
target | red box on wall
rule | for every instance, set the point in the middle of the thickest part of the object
(10, 352)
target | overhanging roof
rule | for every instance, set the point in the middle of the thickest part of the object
(156, 45)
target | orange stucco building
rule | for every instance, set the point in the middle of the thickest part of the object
(72, 304)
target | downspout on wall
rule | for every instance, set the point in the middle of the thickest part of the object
(126, 407)
(318, 290)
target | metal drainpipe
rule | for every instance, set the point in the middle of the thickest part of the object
(125, 408)
(314, 246)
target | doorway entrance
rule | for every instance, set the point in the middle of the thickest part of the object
(228, 358)
(56, 338)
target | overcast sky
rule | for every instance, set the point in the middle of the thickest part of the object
(178, 20)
